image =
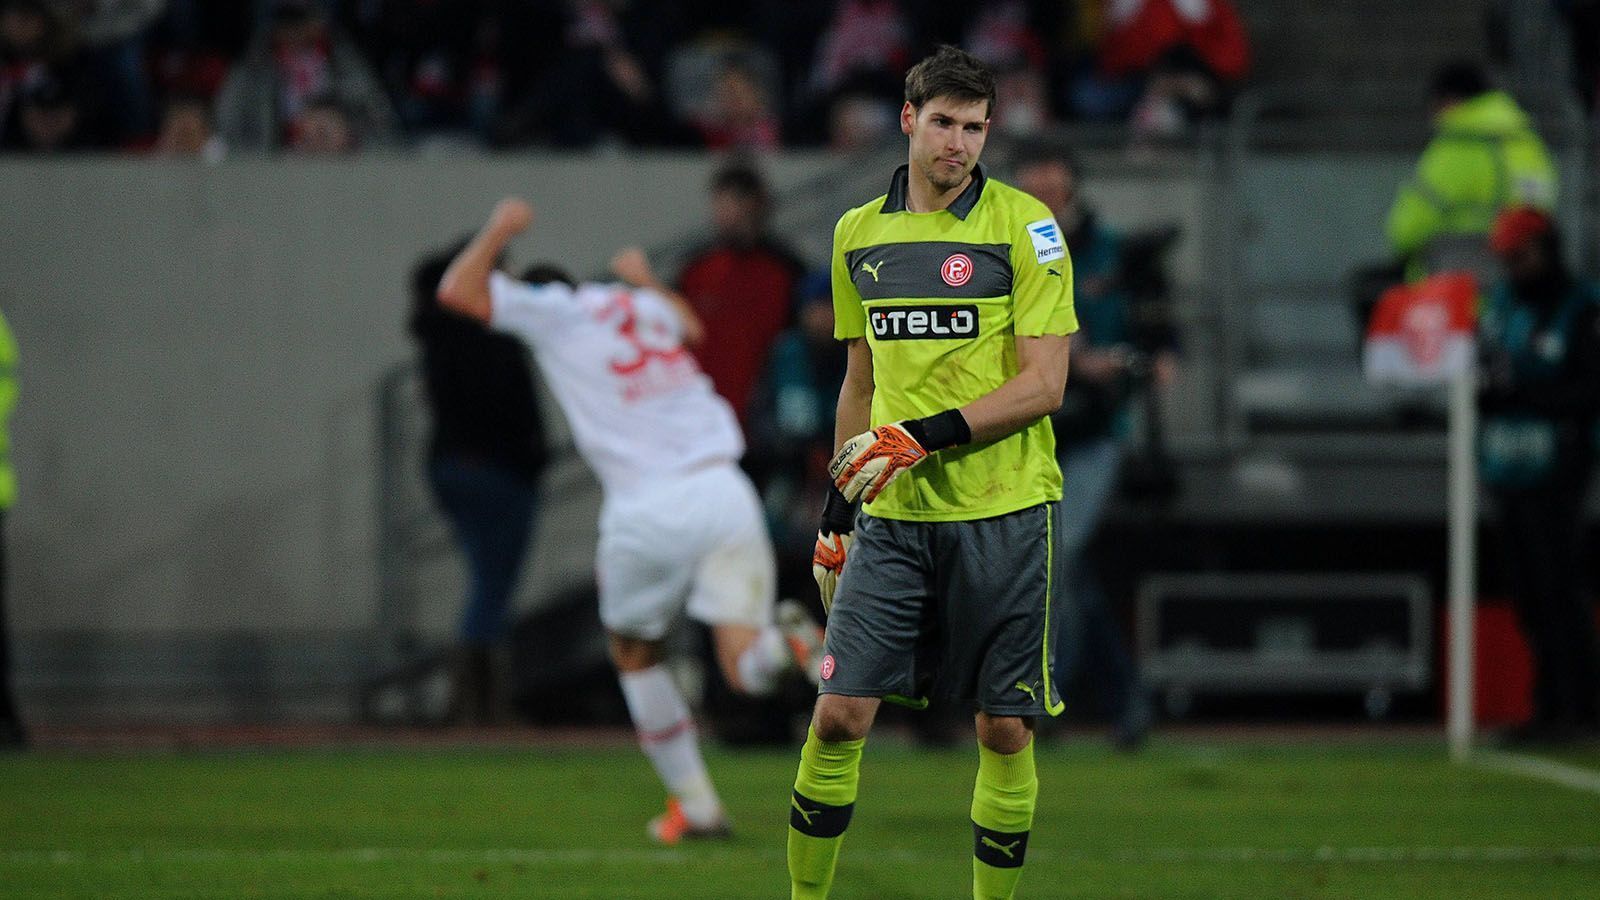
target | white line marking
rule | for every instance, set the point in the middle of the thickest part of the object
(1564, 774)
(590, 856)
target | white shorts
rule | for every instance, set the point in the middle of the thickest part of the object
(694, 543)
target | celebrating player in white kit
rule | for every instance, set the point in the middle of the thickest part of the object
(681, 528)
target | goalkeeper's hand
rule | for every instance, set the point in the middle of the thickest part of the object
(868, 462)
(833, 545)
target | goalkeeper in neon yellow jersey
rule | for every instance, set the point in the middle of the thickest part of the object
(954, 294)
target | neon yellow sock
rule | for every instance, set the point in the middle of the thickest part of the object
(824, 797)
(1002, 814)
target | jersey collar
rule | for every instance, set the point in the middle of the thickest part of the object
(900, 188)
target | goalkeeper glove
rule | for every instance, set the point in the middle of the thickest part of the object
(868, 462)
(833, 545)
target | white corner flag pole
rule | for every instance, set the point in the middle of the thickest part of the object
(1463, 525)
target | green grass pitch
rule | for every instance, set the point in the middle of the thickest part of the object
(1182, 820)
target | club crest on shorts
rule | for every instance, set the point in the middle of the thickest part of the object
(957, 269)
(827, 667)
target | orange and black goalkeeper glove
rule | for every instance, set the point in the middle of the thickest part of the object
(868, 462)
(833, 545)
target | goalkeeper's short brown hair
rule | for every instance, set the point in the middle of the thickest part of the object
(950, 72)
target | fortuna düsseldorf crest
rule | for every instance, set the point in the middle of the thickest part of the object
(956, 270)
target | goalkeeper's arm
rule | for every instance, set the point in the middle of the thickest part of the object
(838, 515)
(1034, 392)
(855, 395)
(866, 463)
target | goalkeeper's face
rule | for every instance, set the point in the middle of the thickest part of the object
(947, 136)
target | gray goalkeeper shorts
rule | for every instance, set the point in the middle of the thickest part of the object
(958, 611)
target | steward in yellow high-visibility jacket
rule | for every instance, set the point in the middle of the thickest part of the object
(1484, 157)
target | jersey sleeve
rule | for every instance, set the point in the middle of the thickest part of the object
(526, 310)
(849, 316)
(1041, 286)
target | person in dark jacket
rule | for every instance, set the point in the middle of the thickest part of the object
(1092, 429)
(1539, 340)
(484, 458)
(299, 58)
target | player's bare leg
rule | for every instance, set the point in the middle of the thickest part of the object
(840, 718)
(668, 737)
(825, 790)
(1003, 799)
(1004, 734)
(752, 659)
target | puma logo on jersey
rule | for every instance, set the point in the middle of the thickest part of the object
(872, 270)
(804, 813)
(1026, 689)
(1055, 272)
(1008, 849)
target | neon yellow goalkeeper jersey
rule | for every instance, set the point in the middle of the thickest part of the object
(940, 298)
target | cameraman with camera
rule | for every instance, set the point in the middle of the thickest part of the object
(1115, 355)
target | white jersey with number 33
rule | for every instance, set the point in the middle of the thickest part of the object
(613, 357)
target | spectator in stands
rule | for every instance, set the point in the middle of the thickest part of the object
(596, 88)
(856, 77)
(12, 735)
(1023, 108)
(33, 47)
(32, 34)
(53, 117)
(1540, 405)
(791, 425)
(740, 117)
(485, 454)
(1091, 429)
(1484, 157)
(1002, 36)
(186, 130)
(193, 44)
(323, 129)
(864, 37)
(1583, 29)
(792, 31)
(861, 120)
(113, 35)
(296, 60)
(439, 61)
(740, 286)
(1186, 58)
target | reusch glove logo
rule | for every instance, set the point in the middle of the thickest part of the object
(925, 323)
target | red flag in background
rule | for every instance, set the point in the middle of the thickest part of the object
(1422, 333)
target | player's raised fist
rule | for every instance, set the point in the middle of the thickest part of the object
(512, 215)
(633, 267)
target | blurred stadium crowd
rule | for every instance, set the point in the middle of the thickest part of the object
(318, 76)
